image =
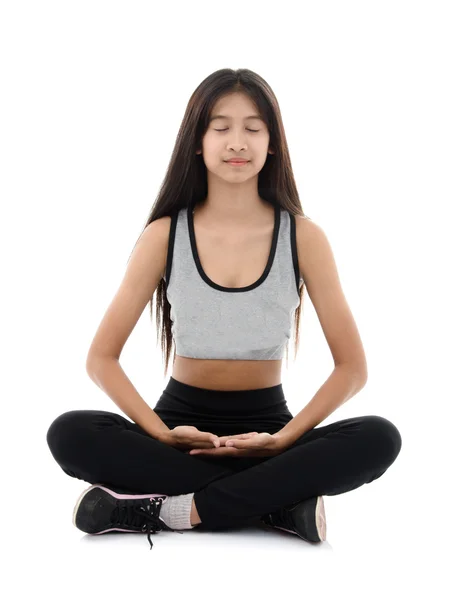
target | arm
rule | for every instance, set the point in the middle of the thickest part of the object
(317, 264)
(144, 271)
(341, 385)
(108, 374)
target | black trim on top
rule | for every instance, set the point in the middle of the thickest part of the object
(294, 252)
(222, 288)
(173, 226)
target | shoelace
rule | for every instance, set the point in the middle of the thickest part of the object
(143, 513)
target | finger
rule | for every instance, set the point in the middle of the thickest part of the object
(196, 443)
(207, 440)
(243, 436)
(204, 443)
(240, 442)
(222, 451)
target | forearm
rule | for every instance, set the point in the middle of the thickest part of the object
(343, 383)
(108, 375)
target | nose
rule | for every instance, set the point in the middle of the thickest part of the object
(236, 141)
(237, 146)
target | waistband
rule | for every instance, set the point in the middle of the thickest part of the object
(232, 402)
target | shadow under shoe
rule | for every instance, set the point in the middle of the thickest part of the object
(305, 519)
(100, 510)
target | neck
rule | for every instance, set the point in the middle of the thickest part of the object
(233, 210)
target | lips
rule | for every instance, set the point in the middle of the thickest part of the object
(236, 160)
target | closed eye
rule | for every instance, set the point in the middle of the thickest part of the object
(252, 130)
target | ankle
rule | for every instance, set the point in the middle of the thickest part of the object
(195, 519)
(176, 511)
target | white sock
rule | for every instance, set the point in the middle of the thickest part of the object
(176, 511)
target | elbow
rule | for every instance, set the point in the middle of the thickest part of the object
(361, 377)
(359, 374)
(363, 381)
(89, 367)
(93, 362)
(363, 374)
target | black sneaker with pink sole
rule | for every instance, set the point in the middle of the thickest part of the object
(305, 519)
(100, 510)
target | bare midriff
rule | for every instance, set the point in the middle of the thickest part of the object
(227, 375)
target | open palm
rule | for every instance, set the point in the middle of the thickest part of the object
(246, 444)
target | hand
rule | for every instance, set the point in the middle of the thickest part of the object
(188, 436)
(246, 444)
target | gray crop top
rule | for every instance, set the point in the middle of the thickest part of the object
(211, 321)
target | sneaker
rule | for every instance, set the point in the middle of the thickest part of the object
(305, 519)
(99, 510)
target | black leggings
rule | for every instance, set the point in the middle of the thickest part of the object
(105, 448)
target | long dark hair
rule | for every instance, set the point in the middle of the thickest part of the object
(185, 183)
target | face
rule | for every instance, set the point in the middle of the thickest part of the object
(236, 134)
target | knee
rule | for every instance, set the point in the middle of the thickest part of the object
(60, 434)
(383, 435)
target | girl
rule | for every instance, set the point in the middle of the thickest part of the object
(229, 251)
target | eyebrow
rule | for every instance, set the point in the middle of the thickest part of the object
(228, 117)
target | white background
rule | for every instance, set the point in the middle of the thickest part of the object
(92, 96)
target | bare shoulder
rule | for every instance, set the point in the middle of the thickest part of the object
(315, 254)
(161, 226)
(306, 225)
(302, 221)
(310, 237)
(156, 237)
